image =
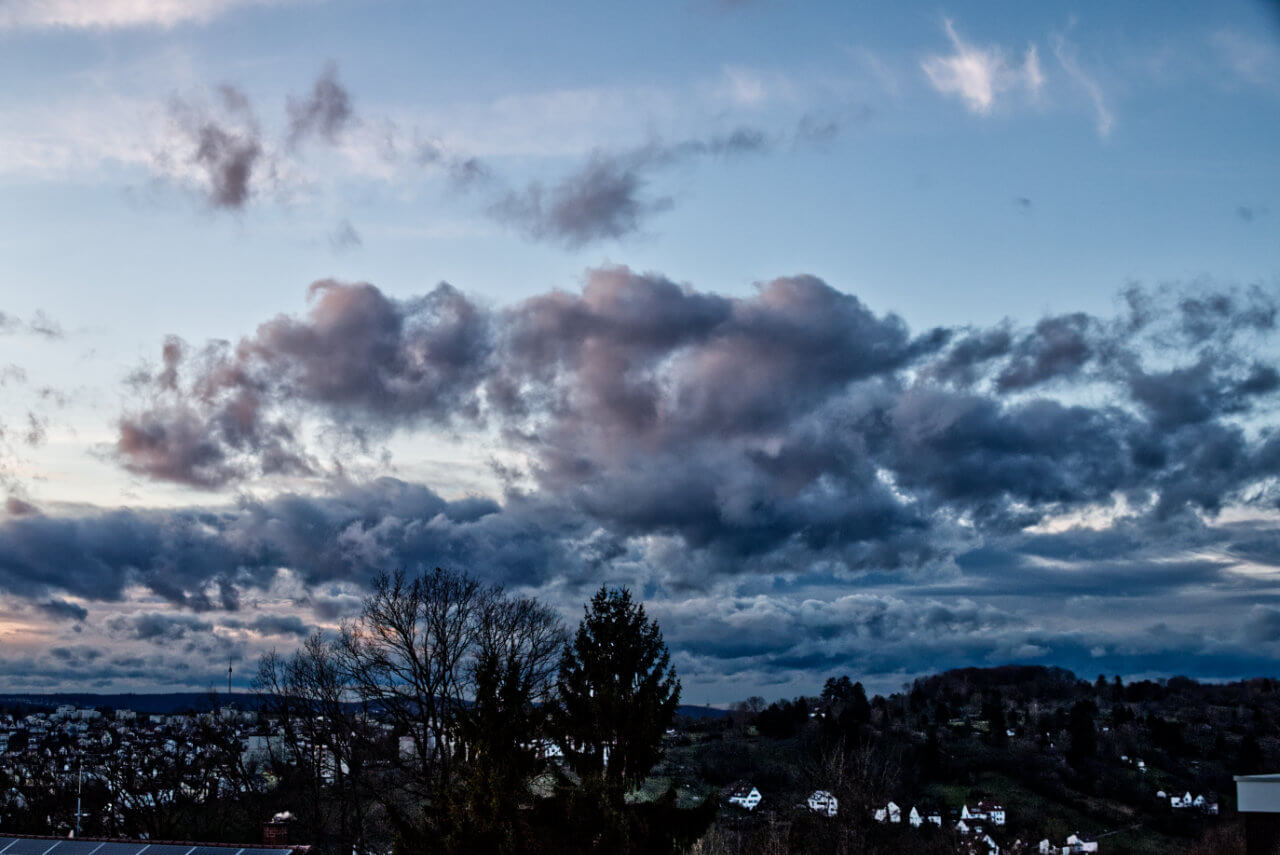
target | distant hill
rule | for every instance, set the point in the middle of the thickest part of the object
(167, 703)
(158, 703)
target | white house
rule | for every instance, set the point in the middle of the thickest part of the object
(992, 811)
(821, 801)
(895, 812)
(1080, 843)
(744, 795)
(915, 818)
(935, 816)
(1183, 801)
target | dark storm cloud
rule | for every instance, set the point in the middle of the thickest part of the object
(271, 625)
(201, 559)
(63, 610)
(608, 196)
(156, 627)
(1058, 347)
(325, 111)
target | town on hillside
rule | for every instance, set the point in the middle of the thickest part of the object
(1000, 760)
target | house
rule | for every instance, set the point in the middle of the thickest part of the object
(993, 811)
(1179, 802)
(915, 817)
(895, 812)
(1080, 843)
(744, 795)
(821, 801)
(933, 815)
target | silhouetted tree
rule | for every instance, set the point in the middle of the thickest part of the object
(617, 694)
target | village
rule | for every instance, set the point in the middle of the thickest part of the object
(96, 770)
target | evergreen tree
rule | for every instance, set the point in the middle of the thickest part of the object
(617, 694)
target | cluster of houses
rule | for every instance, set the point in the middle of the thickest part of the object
(1076, 845)
(969, 822)
(1187, 802)
(964, 819)
(125, 752)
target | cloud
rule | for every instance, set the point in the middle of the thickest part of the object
(374, 361)
(63, 610)
(790, 426)
(325, 112)
(223, 143)
(345, 237)
(278, 625)
(1252, 60)
(156, 627)
(1070, 63)
(1249, 213)
(40, 325)
(223, 149)
(201, 559)
(884, 498)
(113, 14)
(606, 198)
(979, 75)
(603, 200)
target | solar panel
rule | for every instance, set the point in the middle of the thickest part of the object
(120, 849)
(76, 847)
(26, 846)
(213, 850)
(258, 850)
(163, 849)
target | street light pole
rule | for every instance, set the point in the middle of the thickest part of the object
(79, 788)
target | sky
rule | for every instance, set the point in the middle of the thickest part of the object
(855, 339)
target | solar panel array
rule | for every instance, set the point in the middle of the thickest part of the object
(58, 846)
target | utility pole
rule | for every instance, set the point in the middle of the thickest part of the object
(79, 788)
(228, 679)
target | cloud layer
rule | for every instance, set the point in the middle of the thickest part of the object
(899, 495)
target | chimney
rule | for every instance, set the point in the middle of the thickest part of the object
(276, 832)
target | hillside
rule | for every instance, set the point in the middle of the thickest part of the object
(1060, 754)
